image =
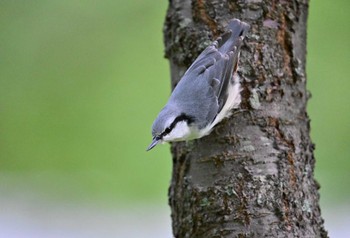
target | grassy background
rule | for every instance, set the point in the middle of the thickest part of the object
(81, 82)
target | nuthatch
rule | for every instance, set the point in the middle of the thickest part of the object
(207, 92)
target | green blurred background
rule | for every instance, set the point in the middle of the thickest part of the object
(82, 81)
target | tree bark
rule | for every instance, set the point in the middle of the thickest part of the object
(253, 175)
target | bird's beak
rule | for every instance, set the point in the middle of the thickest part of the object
(154, 143)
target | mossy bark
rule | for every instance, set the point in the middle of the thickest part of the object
(253, 175)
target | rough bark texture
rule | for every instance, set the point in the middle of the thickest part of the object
(253, 176)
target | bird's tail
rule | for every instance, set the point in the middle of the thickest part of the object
(233, 36)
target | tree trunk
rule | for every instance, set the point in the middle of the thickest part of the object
(253, 175)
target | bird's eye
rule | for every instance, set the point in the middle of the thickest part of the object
(167, 130)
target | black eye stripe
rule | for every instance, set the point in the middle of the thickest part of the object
(182, 117)
(167, 130)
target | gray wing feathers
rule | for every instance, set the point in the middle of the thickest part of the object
(214, 66)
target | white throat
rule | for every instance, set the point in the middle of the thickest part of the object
(180, 132)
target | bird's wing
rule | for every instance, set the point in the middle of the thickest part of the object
(217, 67)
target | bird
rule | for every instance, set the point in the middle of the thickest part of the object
(206, 93)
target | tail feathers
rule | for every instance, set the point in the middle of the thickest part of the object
(233, 36)
(239, 28)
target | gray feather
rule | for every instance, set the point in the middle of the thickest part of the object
(208, 77)
(203, 90)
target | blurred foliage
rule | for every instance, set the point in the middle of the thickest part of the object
(328, 68)
(82, 81)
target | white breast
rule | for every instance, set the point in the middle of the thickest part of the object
(233, 101)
